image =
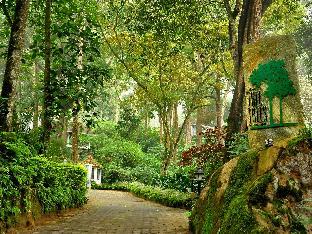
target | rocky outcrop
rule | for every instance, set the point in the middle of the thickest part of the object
(268, 191)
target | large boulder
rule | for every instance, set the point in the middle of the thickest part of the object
(267, 191)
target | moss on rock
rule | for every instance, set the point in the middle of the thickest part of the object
(256, 202)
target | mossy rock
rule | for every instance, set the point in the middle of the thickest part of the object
(256, 193)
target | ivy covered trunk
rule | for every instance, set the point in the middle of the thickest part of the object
(16, 45)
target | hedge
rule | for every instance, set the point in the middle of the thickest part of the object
(168, 197)
(29, 183)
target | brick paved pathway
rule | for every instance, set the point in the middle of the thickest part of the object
(119, 212)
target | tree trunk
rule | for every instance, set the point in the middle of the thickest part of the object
(175, 129)
(47, 99)
(75, 136)
(219, 113)
(62, 128)
(248, 32)
(117, 113)
(146, 121)
(161, 129)
(16, 45)
(188, 132)
(76, 109)
(35, 97)
(199, 123)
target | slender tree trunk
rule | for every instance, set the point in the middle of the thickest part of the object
(47, 99)
(166, 119)
(64, 129)
(188, 132)
(199, 123)
(219, 113)
(76, 109)
(146, 121)
(16, 45)
(35, 97)
(75, 135)
(161, 129)
(117, 113)
(175, 129)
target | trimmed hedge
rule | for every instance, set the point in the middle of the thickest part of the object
(168, 197)
(30, 184)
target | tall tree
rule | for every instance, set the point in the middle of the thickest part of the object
(47, 102)
(16, 45)
(248, 31)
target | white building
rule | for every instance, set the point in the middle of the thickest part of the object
(94, 171)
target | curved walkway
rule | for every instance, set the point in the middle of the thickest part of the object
(119, 212)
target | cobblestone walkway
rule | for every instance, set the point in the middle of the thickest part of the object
(119, 212)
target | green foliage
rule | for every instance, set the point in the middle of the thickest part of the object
(283, 17)
(303, 38)
(305, 135)
(26, 179)
(124, 161)
(177, 178)
(304, 219)
(238, 145)
(33, 139)
(168, 197)
(149, 140)
(57, 150)
(128, 123)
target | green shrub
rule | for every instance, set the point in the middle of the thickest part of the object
(177, 178)
(149, 140)
(239, 144)
(305, 135)
(168, 197)
(57, 150)
(25, 178)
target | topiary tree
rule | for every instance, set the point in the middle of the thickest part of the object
(274, 74)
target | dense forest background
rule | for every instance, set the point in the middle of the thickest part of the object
(132, 82)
